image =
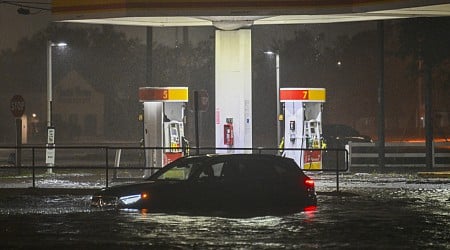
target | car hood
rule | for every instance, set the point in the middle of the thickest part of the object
(128, 189)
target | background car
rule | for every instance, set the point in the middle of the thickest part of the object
(338, 135)
(230, 183)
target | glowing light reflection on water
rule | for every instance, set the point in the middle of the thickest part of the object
(374, 218)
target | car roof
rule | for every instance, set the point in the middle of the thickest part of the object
(236, 156)
(339, 129)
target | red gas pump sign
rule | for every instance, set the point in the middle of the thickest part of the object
(228, 134)
(312, 159)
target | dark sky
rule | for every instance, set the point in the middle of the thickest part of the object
(14, 27)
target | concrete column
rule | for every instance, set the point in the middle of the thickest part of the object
(234, 88)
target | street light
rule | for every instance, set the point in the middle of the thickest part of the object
(277, 67)
(50, 152)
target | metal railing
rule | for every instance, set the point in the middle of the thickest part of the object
(405, 154)
(103, 163)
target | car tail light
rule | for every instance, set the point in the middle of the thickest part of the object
(310, 209)
(309, 183)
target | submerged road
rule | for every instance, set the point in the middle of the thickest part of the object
(373, 211)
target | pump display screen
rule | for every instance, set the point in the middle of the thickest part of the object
(173, 130)
(292, 125)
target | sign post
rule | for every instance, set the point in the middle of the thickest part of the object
(50, 151)
(17, 107)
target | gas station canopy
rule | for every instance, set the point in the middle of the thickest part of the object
(234, 14)
(233, 74)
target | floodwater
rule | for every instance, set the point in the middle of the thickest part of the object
(365, 217)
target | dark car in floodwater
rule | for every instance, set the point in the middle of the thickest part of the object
(232, 182)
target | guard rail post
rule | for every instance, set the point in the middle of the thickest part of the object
(33, 166)
(107, 165)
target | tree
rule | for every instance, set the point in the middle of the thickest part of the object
(104, 57)
(426, 40)
(191, 66)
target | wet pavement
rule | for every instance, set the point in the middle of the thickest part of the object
(372, 211)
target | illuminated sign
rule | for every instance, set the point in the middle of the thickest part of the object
(163, 94)
(302, 94)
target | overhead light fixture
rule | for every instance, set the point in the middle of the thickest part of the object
(232, 25)
(61, 44)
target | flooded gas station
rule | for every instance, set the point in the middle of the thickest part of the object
(372, 211)
(355, 210)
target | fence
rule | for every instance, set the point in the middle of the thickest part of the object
(398, 154)
(97, 166)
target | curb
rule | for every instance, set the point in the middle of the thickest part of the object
(5, 192)
(443, 174)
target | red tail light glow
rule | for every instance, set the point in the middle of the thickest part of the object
(309, 182)
(309, 212)
(310, 209)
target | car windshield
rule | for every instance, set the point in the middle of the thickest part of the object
(181, 170)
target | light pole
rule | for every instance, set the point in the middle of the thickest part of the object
(277, 67)
(50, 151)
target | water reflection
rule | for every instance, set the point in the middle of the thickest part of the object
(309, 213)
(216, 232)
(375, 218)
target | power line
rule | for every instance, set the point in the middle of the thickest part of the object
(25, 6)
(27, 2)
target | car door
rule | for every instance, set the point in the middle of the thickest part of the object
(208, 187)
(249, 184)
(173, 187)
(261, 182)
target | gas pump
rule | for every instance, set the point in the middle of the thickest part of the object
(312, 159)
(303, 125)
(173, 140)
(163, 124)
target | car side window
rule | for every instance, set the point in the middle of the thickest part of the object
(230, 171)
(182, 171)
(211, 170)
(217, 168)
